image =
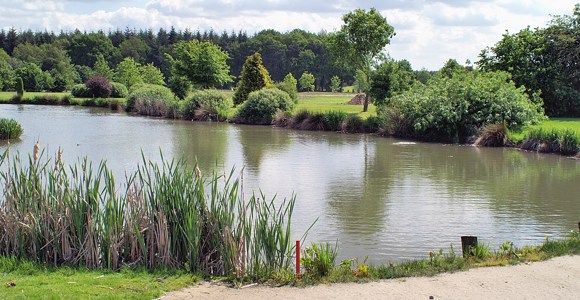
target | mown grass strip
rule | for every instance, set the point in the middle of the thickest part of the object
(23, 279)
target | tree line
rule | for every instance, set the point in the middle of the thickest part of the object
(543, 61)
(69, 57)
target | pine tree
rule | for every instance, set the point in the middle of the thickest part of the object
(254, 77)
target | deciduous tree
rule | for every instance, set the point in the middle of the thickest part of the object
(361, 40)
(203, 63)
(307, 82)
(128, 72)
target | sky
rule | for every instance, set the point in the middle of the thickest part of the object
(428, 32)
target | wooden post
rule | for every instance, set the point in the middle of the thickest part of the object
(579, 226)
(468, 245)
(298, 259)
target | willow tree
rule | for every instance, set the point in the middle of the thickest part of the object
(361, 40)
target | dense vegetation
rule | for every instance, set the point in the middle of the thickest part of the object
(163, 216)
(543, 59)
(455, 108)
(57, 61)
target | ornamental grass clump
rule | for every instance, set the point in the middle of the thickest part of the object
(206, 105)
(493, 135)
(333, 120)
(10, 129)
(152, 100)
(164, 215)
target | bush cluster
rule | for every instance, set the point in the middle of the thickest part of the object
(289, 85)
(206, 105)
(262, 106)
(9, 129)
(80, 91)
(454, 109)
(117, 90)
(152, 100)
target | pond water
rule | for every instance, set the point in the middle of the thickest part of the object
(383, 198)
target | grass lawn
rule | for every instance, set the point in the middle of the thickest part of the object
(6, 96)
(321, 102)
(325, 102)
(25, 280)
(554, 123)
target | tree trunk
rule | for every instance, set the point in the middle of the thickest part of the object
(366, 103)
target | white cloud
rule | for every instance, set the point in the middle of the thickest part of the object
(428, 31)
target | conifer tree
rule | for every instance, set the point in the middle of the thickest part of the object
(254, 77)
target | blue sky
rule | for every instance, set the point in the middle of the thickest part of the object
(428, 31)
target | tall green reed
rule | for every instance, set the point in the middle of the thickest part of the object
(163, 215)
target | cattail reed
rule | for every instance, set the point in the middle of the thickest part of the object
(163, 215)
(36, 151)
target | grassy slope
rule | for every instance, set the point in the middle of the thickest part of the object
(322, 102)
(37, 282)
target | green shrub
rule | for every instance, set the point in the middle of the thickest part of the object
(152, 100)
(314, 122)
(372, 124)
(319, 259)
(9, 129)
(261, 106)
(46, 100)
(333, 120)
(453, 109)
(179, 85)
(80, 91)
(289, 85)
(19, 87)
(569, 142)
(118, 90)
(353, 124)
(204, 105)
(298, 118)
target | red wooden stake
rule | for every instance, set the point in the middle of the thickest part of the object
(298, 259)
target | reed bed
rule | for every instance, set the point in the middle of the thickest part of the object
(163, 215)
(563, 141)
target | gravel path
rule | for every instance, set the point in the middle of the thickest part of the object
(558, 278)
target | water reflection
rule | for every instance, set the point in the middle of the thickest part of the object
(376, 196)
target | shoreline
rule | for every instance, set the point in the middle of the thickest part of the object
(556, 278)
(89, 103)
